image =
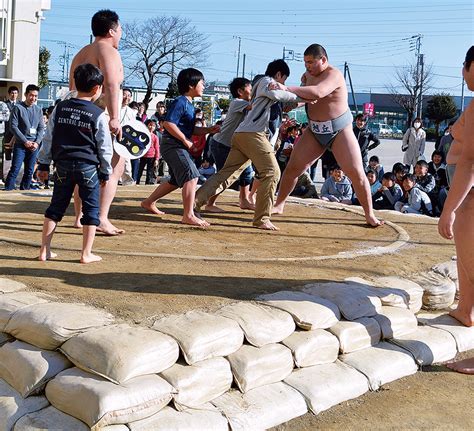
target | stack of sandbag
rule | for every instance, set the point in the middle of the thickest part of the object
(439, 291)
(448, 269)
(8, 286)
(357, 334)
(396, 322)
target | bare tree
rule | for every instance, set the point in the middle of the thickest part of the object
(155, 48)
(408, 80)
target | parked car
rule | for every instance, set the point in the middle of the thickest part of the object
(381, 129)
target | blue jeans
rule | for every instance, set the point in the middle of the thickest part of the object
(20, 155)
(220, 153)
(67, 175)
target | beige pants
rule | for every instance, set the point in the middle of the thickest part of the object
(246, 147)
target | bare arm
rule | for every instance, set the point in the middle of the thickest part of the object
(324, 88)
(111, 67)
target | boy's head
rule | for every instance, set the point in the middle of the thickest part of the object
(360, 121)
(336, 172)
(315, 59)
(437, 157)
(371, 176)
(13, 92)
(400, 171)
(421, 168)
(278, 70)
(292, 131)
(89, 79)
(31, 94)
(374, 161)
(241, 88)
(190, 82)
(133, 105)
(205, 164)
(409, 181)
(388, 179)
(105, 23)
(151, 124)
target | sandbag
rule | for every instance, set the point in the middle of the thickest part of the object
(402, 286)
(13, 406)
(12, 302)
(354, 301)
(381, 364)
(7, 285)
(5, 338)
(428, 345)
(357, 335)
(447, 269)
(396, 322)
(121, 352)
(202, 335)
(49, 418)
(463, 335)
(261, 408)
(308, 311)
(312, 347)
(27, 369)
(198, 383)
(98, 402)
(324, 386)
(439, 291)
(257, 366)
(206, 418)
(261, 325)
(49, 325)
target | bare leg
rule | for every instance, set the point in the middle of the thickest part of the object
(302, 157)
(463, 238)
(189, 191)
(88, 235)
(77, 208)
(150, 202)
(253, 191)
(49, 226)
(211, 205)
(347, 153)
(244, 199)
(107, 194)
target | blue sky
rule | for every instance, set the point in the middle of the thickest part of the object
(372, 36)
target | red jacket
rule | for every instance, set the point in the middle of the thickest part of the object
(154, 151)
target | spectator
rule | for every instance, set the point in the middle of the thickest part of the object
(400, 170)
(160, 113)
(438, 170)
(141, 114)
(150, 159)
(388, 194)
(413, 143)
(374, 164)
(284, 152)
(337, 188)
(199, 142)
(364, 137)
(206, 170)
(424, 180)
(415, 200)
(446, 141)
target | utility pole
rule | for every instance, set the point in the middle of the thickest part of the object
(172, 65)
(243, 66)
(420, 95)
(417, 49)
(348, 73)
(238, 54)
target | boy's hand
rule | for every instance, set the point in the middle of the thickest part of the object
(215, 129)
(115, 128)
(103, 183)
(42, 175)
(276, 86)
(188, 144)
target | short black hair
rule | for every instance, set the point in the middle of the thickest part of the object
(31, 87)
(290, 129)
(133, 105)
(238, 84)
(469, 57)
(422, 163)
(436, 153)
(335, 167)
(374, 159)
(189, 77)
(13, 88)
(389, 176)
(370, 171)
(277, 66)
(150, 120)
(103, 21)
(316, 50)
(87, 76)
(360, 117)
(399, 167)
(127, 89)
(410, 177)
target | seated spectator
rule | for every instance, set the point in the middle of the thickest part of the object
(388, 194)
(438, 170)
(284, 152)
(373, 182)
(206, 170)
(424, 180)
(415, 200)
(337, 188)
(305, 188)
(374, 164)
(400, 170)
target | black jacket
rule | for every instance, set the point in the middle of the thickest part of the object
(364, 137)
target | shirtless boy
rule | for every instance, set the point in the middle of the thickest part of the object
(103, 53)
(330, 128)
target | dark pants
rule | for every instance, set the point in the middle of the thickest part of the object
(149, 164)
(21, 155)
(135, 168)
(66, 176)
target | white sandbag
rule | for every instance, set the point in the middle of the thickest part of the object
(7, 285)
(5, 338)
(357, 335)
(428, 345)
(261, 408)
(312, 347)
(396, 322)
(121, 352)
(49, 418)
(206, 418)
(198, 383)
(308, 311)
(27, 369)
(324, 386)
(49, 325)
(12, 302)
(381, 364)
(257, 366)
(463, 335)
(353, 300)
(439, 291)
(98, 402)
(202, 335)
(261, 325)
(13, 406)
(402, 286)
(447, 269)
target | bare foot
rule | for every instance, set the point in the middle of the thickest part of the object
(268, 225)
(465, 366)
(46, 255)
(151, 208)
(467, 319)
(213, 209)
(373, 221)
(109, 229)
(247, 205)
(90, 258)
(278, 209)
(194, 221)
(77, 223)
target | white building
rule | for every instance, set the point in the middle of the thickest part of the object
(20, 24)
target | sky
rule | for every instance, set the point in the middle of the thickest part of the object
(374, 37)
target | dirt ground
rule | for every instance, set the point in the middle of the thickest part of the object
(160, 267)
